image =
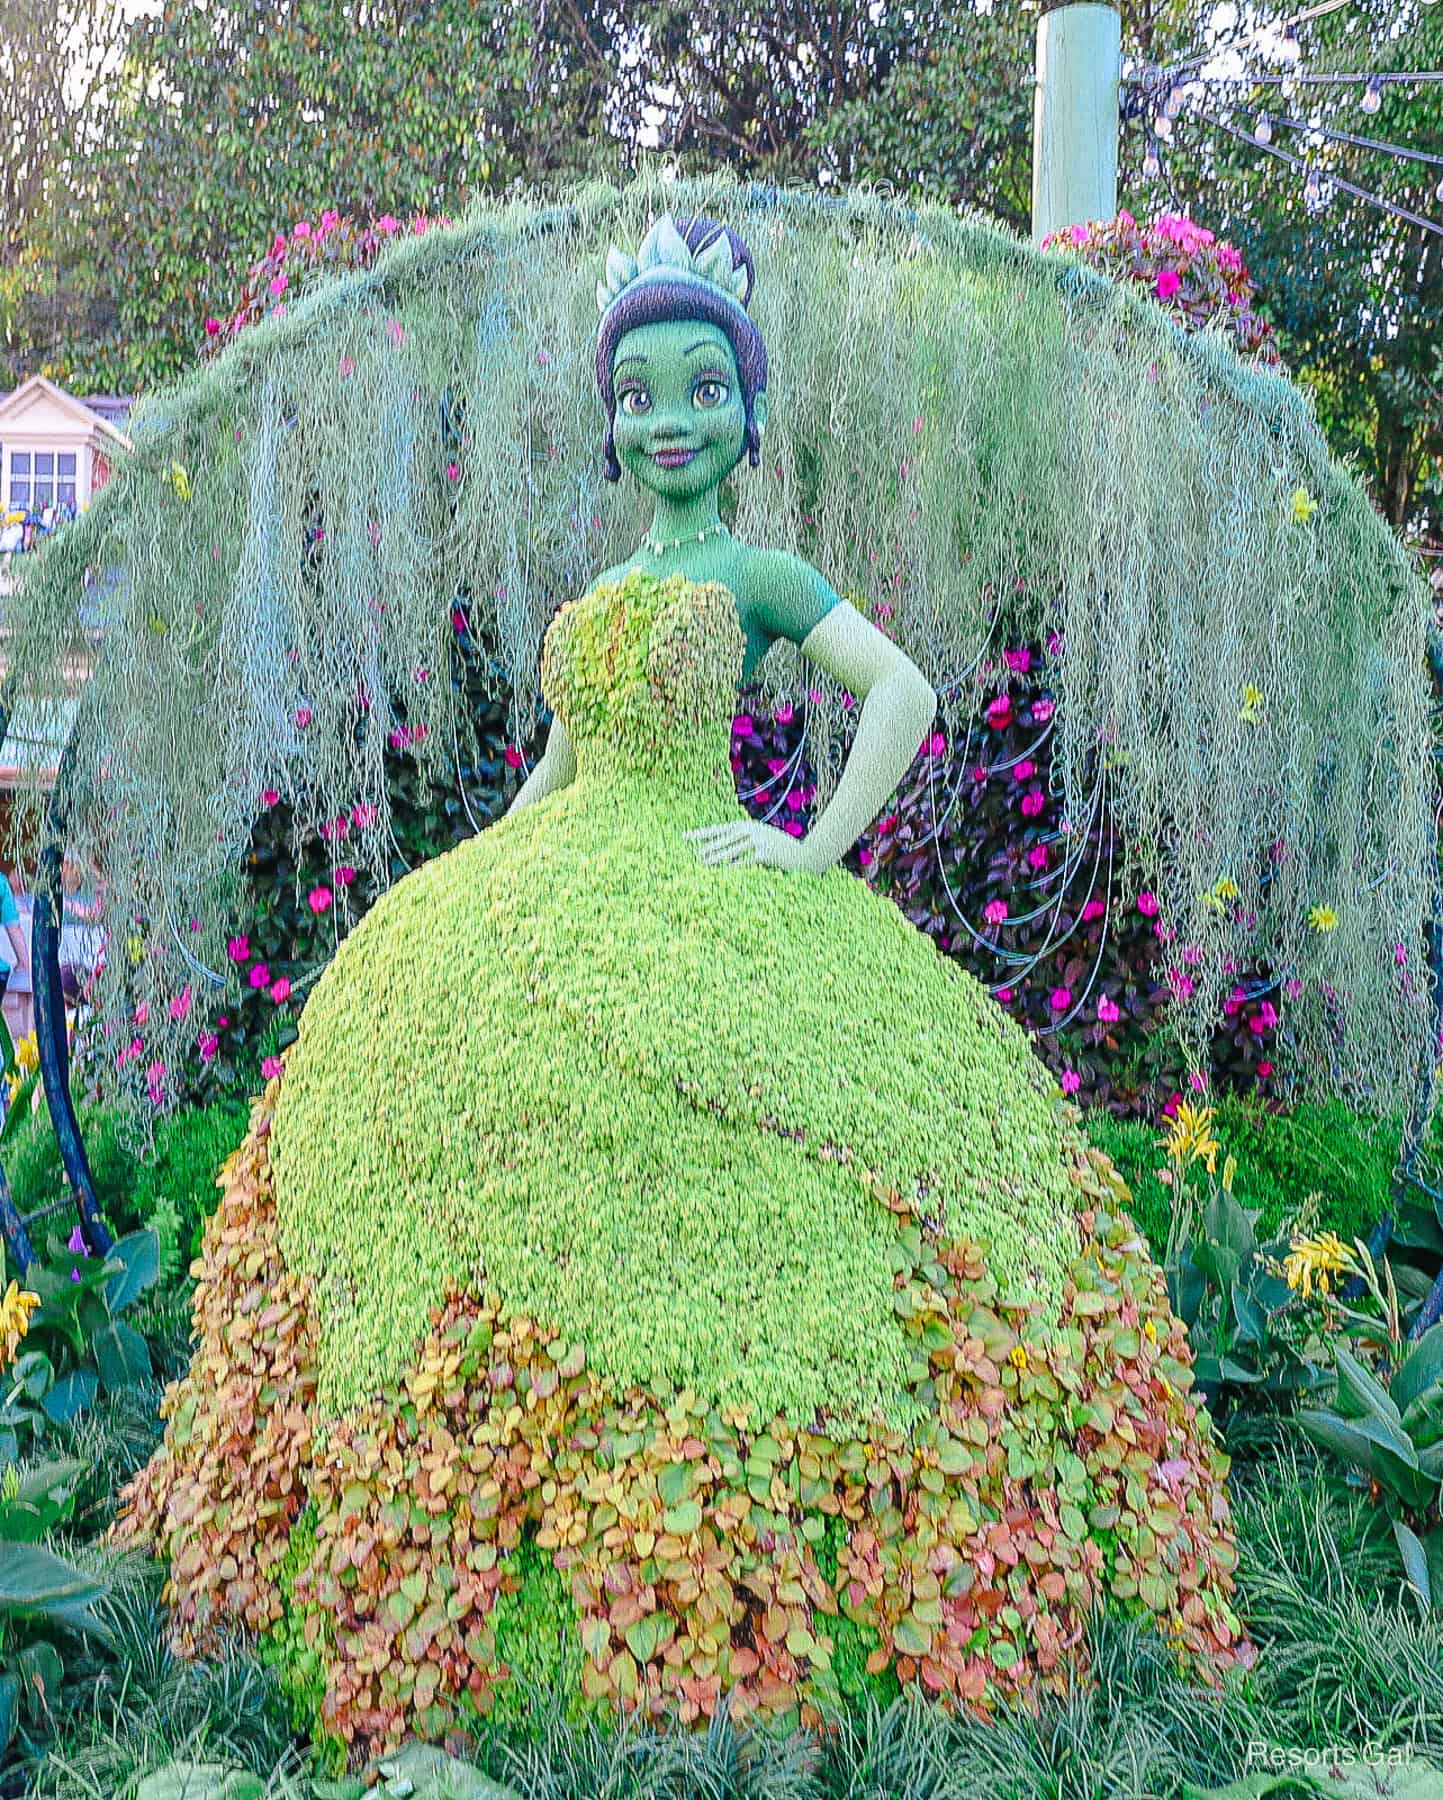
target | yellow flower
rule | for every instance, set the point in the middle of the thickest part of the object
(180, 481)
(1226, 889)
(15, 1311)
(1189, 1137)
(27, 1053)
(1318, 1259)
(136, 947)
(1323, 918)
(1017, 1356)
(1252, 707)
(1230, 1169)
(1304, 505)
(1149, 1331)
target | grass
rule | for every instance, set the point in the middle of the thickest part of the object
(1346, 1657)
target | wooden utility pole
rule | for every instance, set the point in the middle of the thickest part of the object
(1075, 117)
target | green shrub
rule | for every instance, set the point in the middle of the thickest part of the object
(180, 1179)
(1343, 1157)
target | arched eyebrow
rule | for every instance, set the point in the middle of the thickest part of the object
(701, 344)
(638, 359)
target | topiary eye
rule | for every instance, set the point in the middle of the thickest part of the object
(710, 393)
(636, 400)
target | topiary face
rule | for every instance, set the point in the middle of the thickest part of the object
(680, 425)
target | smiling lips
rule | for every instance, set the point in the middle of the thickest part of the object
(673, 459)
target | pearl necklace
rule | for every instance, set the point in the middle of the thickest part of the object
(659, 546)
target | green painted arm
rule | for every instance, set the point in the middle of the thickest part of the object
(898, 706)
(556, 769)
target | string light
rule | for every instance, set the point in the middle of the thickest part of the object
(1152, 162)
(1173, 105)
(1312, 187)
(1263, 130)
(1373, 97)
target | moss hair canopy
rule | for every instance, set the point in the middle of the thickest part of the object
(981, 436)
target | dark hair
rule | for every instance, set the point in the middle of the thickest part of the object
(661, 299)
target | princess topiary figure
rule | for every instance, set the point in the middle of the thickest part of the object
(658, 1272)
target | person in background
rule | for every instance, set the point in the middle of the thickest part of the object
(16, 986)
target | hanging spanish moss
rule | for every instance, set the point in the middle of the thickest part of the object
(977, 442)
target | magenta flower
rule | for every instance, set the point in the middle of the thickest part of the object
(303, 230)
(270, 797)
(1019, 660)
(319, 900)
(1033, 802)
(795, 802)
(386, 224)
(155, 1082)
(1147, 904)
(142, 1013)
(1108, 1010)
(271, 1066)
(1400, 955)
(1004, 996)
(1037, 856)
(995, 912)
(979, 774)
(1061, 999)
(453, 471)
(1293, 989)
(776, 765)
(346, 368)
(514, 758)
(180, 1006)
(280, 991)
(304, 716)
(1180, 984)
(1198, 1081)
(999, 713)
(794, 826)
(936, 744)
(1025, 770)
(212, 326)
(207, 1043)
(1041, 711)
(279, 283)
(1095, 909)
(743, 725)
(1071, 1081)
(362, 816)
(1168, 283)
(865, 859)
(784, 713)
(238, 949)
(345, 875)
(1264, 1070)
(260, 976)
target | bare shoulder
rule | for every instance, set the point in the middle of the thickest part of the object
(617, 572)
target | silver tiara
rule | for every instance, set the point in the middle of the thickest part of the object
(663, 252)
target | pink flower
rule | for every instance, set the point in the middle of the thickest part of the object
(776, 765)
(1033, 802)
(1054, 643)
(319, 899)
(1041, 711)
(453, 471)
(1060, 999)
(260, 975)
(280, 991)
(1147, 904)
(1234, 1002)
(1400, 955)
(1264, 1019)
(1037, 856)
(995, 912)
(1018, 660)
(865, 859)
(1095, 909)
(180, 1006)
(1180, 984)
(271, 1066)
(329, 221)
(1192, 954)
(386, 224)
(346, 368)
(345, 875)
(154, 1082)
(270, 797)
(303, 716)
(1025, 770)
(1108, 1010)
(212, 326)
(936, 744)
(1198, 1081)
(795, 801)
(1071, 1081)
(743, 725)
(1264, 1070)
(1004, 996)
(1168, 282)
(784, 713)
(279, 283)
(207, 1043)
(1293, 989)
(1170, 1110)
(362, 816)
(999, 713)
(514, 758)
(979, 774)
(142, 1013)
(793, 826)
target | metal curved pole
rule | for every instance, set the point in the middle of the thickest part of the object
(50, 1036)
